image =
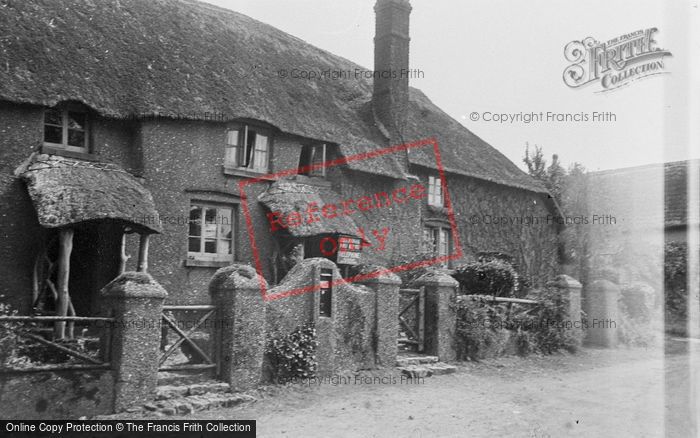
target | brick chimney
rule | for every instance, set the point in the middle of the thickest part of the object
(390, 96)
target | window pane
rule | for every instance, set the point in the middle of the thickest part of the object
(53, 134)
(53, 117)
(444, 242)
(317, 157)
(260, 155)
(76, 120)
(224, 222)
(195, 221)
(210, 223)
(224, 246)
(231, 154)
(232, 137)
(76, 138)
(248, 148)
(210, 246)
(194, 244)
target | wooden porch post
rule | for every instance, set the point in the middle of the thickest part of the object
(65, 247)
(143, 253)
(123, 258)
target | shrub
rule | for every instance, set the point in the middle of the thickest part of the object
(294, 355)
(552, 323)
(490, 277)
(483, 325)
(675, 277)
(478, 327)
(638, 300)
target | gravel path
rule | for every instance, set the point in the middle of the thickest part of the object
(596, 392)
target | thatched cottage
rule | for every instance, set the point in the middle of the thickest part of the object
(127, 125)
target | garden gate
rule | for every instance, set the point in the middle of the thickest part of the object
(412, 319)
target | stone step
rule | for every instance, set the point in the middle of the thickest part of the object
(196, 403)
(403, 361)
(415, 371)
(442, 368)
(426, 370)
(166, 392)
(183, 377)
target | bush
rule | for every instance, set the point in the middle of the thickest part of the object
(552, 322)
(479, 324)
(638, 300)
(675, 277)
(484, 326)
(490, 277)
(294, 355)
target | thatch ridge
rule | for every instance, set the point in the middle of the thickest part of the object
(127, 58)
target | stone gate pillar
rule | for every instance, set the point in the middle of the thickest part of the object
(570, 289)
(386, 321)
(240, 324)
(440, 318)
(135, 301)
(601, 313)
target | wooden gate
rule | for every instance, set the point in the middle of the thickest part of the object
(412, 319)
(197, 357)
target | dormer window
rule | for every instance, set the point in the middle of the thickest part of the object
(66, 128)
(313, 155)
(436, 196)
(247, 148)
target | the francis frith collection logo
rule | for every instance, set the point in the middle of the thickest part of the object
(614, 63)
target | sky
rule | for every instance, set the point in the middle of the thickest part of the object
(507, 57)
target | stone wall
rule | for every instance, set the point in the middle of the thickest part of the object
(56, 394)
(361, 331)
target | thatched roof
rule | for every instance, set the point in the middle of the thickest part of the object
(66, 191)
(126, 58)
(287, 196)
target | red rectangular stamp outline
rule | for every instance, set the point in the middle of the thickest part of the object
(457, 248)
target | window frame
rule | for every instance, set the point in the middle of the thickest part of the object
(213, 258)
(64, 146)
(241, 149)
(436, 194)
(440, 239)
(309, 153)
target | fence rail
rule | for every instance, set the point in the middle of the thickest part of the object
(500, 299)
(89, 362)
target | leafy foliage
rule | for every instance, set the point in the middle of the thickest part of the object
(490, 277)
(675, 277)
(294, 355)
(479, 327)
(483, 325)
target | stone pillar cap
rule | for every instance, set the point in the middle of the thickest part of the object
(565, 281)
(436, 278)
(236, 276)
(133, 285)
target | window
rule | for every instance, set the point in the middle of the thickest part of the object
(311, 155)
(247, 148)
(66, 128)
(325, 299)
(435, 194)
(211, 231)
(437, 241)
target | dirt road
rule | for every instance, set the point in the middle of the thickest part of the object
(594, 393)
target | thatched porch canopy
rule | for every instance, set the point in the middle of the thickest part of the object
(289, 196)
(65, 191)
